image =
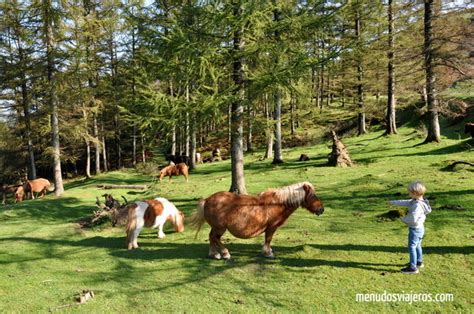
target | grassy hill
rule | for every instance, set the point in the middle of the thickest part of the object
(321, 262)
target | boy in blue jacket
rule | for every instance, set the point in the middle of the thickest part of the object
(418, 208)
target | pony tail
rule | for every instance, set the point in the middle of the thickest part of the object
(178, 221)
(131, 224)
(197, 218)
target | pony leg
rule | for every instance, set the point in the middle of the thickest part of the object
(216, 245)
(161, 234)
(135, 237)
(267, 250)
(134, 241)
(213, 246)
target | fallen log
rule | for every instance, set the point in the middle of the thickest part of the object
(461, 163)
(451, 167)
(123, 186)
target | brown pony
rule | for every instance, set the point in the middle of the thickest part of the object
(174, 170)
(39, 185)
(248, 216)
(19, 194)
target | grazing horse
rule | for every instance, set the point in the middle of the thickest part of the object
(248, 216)
(19, 194)
(174, 170)
(39, 185)
(152, 214)
(198, 158)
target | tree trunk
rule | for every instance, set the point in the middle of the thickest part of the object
(142, 138)
(173, 140)
(118, 141)
(96, 145)
(88, 158)
(433, 123)
(193, 144)
(134, 145)
(360, 87)
(321, 85)
(52, 98)
(237, 109)
(328, 88)
(314, 86)
(114, 72)
(173, 130)
(26, 115)
(249, 127)
(339, 156)
(268, 131)
(104, 149)
(391, 127)
(278, 157)
(230, 122)
(292, 114)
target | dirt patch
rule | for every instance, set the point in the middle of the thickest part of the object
(392, 214)
(451, 207)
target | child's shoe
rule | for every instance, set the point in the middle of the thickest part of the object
(410, 270)
(420, 265)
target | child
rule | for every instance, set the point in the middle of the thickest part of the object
(418, 208)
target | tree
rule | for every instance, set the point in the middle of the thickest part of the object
(360, 73)
(277, 156)
(433, 123)
(391, 126)
(20, 27)
(237, 108)
(50, 20)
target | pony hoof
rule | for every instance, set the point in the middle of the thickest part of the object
(269, 255)
(226, 256)
(215, 256)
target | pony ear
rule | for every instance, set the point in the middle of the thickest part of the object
(307, 188)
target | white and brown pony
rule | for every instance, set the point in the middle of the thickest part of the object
(247, 216)
(152, 214)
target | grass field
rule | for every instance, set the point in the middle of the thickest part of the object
(321, 262)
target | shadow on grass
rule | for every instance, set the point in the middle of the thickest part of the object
(192, 259)
(62, 209)
(107, 179)
(167, 250)
(462, 146)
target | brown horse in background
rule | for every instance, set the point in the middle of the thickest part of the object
(248, 216)
(19, 194)
(31, 187)
(175, 170)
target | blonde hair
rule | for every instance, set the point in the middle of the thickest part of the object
(417, 188)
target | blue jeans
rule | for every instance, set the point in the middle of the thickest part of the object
(415, 236)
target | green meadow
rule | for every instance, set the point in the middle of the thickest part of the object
(321, 263)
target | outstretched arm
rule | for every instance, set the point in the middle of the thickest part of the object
(405, 203)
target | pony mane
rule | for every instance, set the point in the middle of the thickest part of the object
(292, 195)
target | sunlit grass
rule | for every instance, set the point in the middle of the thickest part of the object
(321, 262)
